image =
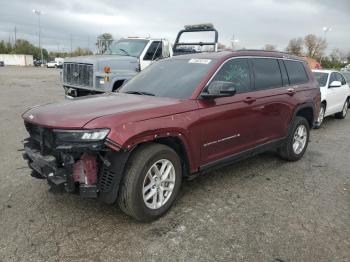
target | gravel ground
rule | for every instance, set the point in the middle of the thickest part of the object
(261, 209)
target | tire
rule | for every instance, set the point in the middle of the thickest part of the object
(320, 116)
(131, 199)
(287, 151)
(342, 114)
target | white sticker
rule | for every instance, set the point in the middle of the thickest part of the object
(199, 61)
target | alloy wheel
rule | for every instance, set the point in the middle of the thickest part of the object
(299, 140)
(345, 108)
(158, 184)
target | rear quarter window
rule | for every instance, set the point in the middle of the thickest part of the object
(296, 72)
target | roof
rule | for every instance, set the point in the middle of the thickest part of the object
(228, 54)
(328, 71)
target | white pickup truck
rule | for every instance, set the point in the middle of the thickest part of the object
(96, 74)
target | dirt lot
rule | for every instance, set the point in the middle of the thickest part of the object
(261, 209)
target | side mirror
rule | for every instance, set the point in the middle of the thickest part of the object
(335, 84)
(219, 89)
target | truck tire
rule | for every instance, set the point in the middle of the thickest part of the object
(343, 112)
(151, 182)
(296, 142)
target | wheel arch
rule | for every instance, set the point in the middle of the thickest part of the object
(176, 142)
(306, 111)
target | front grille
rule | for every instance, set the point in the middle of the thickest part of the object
(41, 138)
(106, 177)
(78, 74)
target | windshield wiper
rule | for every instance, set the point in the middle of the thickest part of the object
(126, 52)
(139, 93)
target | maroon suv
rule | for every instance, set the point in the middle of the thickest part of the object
(180, 117)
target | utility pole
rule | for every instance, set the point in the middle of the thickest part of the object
(39, 13)
(233, 41)
(15, 35)
(71, 45)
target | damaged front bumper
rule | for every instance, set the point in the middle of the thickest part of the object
(94, 169)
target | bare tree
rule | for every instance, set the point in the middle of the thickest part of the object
(295, 46)
(269, 47)
(336, 55)
(315, 46)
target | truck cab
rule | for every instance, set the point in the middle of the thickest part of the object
(95, 74)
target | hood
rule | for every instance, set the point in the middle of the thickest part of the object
(116, 62)
(77, 113)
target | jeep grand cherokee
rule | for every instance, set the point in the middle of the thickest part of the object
(180, 117)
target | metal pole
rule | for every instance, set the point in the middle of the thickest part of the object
(41, 50)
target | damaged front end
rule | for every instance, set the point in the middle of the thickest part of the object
(81, 161)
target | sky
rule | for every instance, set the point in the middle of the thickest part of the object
(254, 23)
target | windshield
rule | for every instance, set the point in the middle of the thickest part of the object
(321, 78)
(175, 78)
(127, 47)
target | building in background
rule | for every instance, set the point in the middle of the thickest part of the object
(18, 60)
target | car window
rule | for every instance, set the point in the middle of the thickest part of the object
(235, 71)
(296, 72)
(341, 79)
(267, 73)
(346, 75)
(154, 51)
(321, 78)
(332, 78)
(175, 78)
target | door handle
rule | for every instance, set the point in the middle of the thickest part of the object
(291, 91)
(249, 100)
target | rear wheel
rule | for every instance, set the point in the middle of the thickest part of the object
(297, 141)
(320, 116)
(151, 182)
(342, 114)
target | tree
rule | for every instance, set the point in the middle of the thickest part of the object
(103, 42)
(222, 46)
(295, 46)
(336, 55)
(269, 47)
(315, 46)
(82, 51)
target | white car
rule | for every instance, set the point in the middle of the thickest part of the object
(52, 64)
(335, 94)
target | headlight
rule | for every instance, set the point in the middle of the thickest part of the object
(81, 135)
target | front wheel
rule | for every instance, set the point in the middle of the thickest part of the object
(151, 182)
(342, 114)
(297, 140)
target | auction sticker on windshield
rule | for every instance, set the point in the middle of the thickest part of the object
(199, 61)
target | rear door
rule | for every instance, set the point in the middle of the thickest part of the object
(227, 123)
(275, 99)
(343, 91)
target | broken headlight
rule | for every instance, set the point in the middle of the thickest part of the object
(81, 135)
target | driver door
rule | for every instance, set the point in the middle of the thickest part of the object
(153, 52)
(227, 123)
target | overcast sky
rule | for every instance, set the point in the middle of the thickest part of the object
(254, 22)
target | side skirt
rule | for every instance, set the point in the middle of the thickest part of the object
(241, 155)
